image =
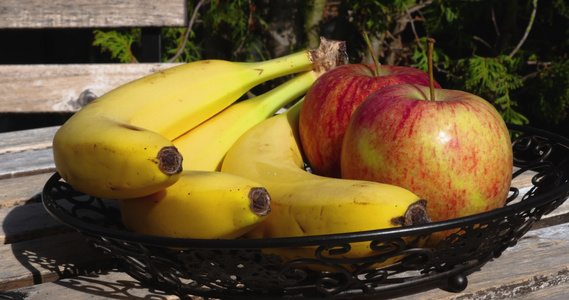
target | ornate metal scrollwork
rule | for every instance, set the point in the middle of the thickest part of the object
(242, 269)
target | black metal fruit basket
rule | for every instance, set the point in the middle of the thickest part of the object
(241, 268)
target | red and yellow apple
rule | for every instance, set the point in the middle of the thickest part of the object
(455, 152)
(330, 102)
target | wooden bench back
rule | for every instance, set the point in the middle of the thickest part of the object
(67, 87)
(64, 88)
(19, 14)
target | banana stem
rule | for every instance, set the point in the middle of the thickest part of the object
(295, 63)
(270, 102)
(329, 55)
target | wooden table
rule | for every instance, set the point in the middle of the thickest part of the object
(43, 259)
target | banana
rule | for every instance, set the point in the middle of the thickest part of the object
(120, 145)
(305, 204)
(201, 205)
(205, 146)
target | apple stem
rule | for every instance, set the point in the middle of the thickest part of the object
(430, 44)
(370, 48)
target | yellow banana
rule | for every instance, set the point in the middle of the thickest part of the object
(119, 146)
(306, 204)
(202, 205)
(205, 146)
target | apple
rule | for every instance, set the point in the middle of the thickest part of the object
(330, 102)
(453, 151)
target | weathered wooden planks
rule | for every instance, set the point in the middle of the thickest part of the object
(26, 152)
(43, 259)
(19, 14)
(21, 190)
(20, 163)
(100, 286)
(35, 249)
(64, 88)
(27, 140)
(537, 266)
(48, 259)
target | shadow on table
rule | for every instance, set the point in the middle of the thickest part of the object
(44, 251)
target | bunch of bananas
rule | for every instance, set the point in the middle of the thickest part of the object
(242, 172)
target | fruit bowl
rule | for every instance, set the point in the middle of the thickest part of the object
(242, 269)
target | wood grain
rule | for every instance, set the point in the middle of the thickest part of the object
(48, 259)
(21, 190)
(26, 152)
(30, 221)
(536, 268)
(538, 263)
(64, 88)
(27, 140)
(26, 163)
(92, 14)
(42, 258)
(102, 286)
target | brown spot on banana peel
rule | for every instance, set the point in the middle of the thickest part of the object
(169, 160)
(416, 214)
(260, 201)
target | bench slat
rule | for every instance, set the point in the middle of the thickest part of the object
(27, 140)
(20, 190)
(19, 14)
(59, 88)
(539, 261)
(31, 221)
(48, 259)
(28, 222)
(26, 152)
(101, 286)
(515, 274)
(26, 163)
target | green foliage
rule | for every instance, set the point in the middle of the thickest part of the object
(493, 79)
(549, 91)
(440, 59)
(481, 45)
(173, 39)
(232, 20)
(375, 16)
(476, 48)
(483, 75)
(119, 44)
(227, 20)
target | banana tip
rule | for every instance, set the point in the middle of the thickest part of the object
(416, 214)
(170, 160)
(260, 201)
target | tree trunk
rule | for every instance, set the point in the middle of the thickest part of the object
(285, 21)
(314, 15)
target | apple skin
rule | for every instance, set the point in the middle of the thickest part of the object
(330, 102)
(454, 152)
